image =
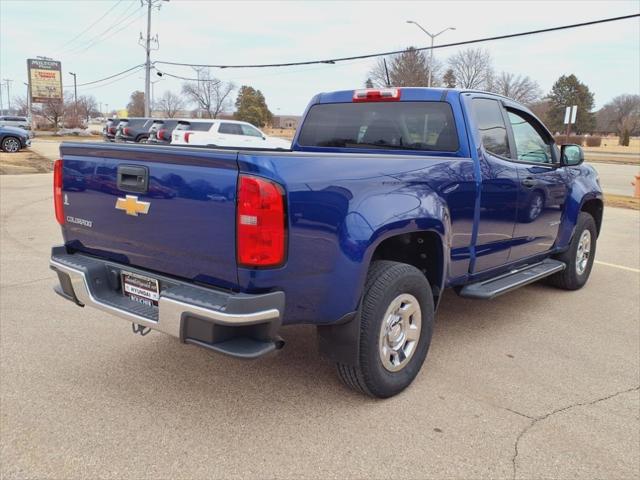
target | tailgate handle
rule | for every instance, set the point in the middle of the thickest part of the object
(132, 178)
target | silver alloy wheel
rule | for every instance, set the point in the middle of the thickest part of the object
(584, 252)
(400, 332)
(11, 145)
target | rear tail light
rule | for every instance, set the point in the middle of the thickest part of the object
(112, 130)
(58, 201)
(186, 137)
(160, 134)
(261, 229)
(377, 95)
(126, 130)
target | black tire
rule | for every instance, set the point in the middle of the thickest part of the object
(571, 278)
(385, 282)
(142, 139)
(11, 144)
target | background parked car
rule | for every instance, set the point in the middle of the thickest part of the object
(161, 130)
(13, 139)
(133, 130)
(188, 126)
(15, 121)
(227, 133)
(109, 130)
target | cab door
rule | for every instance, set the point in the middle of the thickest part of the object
(542, 186)
(230, 135)
(499, 185)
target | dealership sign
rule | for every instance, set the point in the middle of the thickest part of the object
(45, 80)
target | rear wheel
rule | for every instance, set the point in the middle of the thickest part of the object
(579, 256)
(396, 323)
(10, 144)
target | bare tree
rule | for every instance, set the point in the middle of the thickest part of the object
(21, 105)
(53, 110)
(87, 107)
(521, 88)
(210, 94)
(472, 68)
(377, 76)
(407, 69)
(624, 112)
(170, 104)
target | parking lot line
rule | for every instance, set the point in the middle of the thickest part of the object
(621, 267)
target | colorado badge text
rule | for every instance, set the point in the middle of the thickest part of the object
(132, 206)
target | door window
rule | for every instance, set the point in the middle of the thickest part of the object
(230, 129)
(250, 131)
(493, 131)
(530, 146)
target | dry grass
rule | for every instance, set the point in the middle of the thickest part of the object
(25, 161)
(287, 133)
(621, 201)
(610, 144)
(68, 138)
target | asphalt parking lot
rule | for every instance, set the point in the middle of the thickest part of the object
(539, 383)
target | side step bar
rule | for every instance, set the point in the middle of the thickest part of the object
(520, 277)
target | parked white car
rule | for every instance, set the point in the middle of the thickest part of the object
(224, 133)
(15, 121)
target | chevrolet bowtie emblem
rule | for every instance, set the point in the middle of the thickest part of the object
(132, 206)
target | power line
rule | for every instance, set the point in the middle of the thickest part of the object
(108, 33)
(395, 52)
(137, 70)
(107, 78)
(90, 26)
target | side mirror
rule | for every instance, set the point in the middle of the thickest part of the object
(571, 155)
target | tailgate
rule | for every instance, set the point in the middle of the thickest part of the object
(181, 224)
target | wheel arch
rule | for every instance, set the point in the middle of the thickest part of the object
(595, 208)
(423, 249)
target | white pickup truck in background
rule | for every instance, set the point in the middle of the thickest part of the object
(224, 133)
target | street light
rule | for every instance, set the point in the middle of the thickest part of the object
(432, 38)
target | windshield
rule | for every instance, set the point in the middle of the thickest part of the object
(387, 125)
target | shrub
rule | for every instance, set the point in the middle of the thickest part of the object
(594, 141)
(573, 139)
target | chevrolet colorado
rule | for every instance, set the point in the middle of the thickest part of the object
(386, 198)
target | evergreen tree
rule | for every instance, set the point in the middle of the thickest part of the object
(449, 78)
(568, 91)
(251, 107)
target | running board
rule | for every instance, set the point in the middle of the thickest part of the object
(517, 278)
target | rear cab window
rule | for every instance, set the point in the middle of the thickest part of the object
(418, 126)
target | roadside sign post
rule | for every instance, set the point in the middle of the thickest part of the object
(45, 80)
(570, 114)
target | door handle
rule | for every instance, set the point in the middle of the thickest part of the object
(529, 182)
(133, 178)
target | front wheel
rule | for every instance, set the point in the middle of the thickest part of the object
(579, 256)
(11, 144)
(396, 323)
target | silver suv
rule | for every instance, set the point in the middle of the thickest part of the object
(15, 121)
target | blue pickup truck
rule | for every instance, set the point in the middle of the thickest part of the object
(387, 198)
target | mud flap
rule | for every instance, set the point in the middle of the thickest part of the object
(340, 341)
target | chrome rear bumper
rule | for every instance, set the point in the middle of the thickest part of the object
(236, 324)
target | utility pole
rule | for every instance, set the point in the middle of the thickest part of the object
(147, 47)
(8, 82)
(75, 96)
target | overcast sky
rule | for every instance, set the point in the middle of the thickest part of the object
(606, 57)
